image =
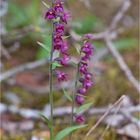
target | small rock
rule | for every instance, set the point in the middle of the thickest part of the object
(130, 130)
(3, 108)
(12, 98)
(114, 120)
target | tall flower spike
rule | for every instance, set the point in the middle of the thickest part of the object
(59, 44)
(85, 77)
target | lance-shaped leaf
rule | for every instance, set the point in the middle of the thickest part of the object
(45, 4)
(47, 121)
(43, 46)
(44, 51)
(83, 107)
(78, 48)
(65, 132)
(67, 95)
(55, 64)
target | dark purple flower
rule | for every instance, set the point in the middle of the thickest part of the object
(58, 6)
(88, 76)
(86, 80)
(64, 47)
(57, 42)
(79, 119)
(87, 84)
(86, 57)
(79, 99)
(81, 80)
(82, 90)
(64, 59)
(87, 48)
(57, 46)
(83, 67)
(59, 29)
(50, 14)
(65, 17)
(61, 76)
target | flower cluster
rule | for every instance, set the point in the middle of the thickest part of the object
(59, 17)
(85, 76)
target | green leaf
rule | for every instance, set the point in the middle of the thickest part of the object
(43, 46)
(46, 44)
(78, 48)
(83, 107)
(67, 95)
(55, 64)
(45, 4)
(65, 37)
(65, 132)
(56, 54)
(47, 121)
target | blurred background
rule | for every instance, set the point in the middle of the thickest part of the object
(24, 69)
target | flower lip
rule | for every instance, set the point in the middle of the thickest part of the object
(88, 76)
(65, 17)
(61, 76)
(58, 6)
(59, 29)
(79, 119)
(83, 67)
(82, 90)
(79, 99)
(87, 84)
(64, 59)
(50, 14)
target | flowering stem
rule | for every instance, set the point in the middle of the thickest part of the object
(51, 82)
(51, 87)
(73, 98)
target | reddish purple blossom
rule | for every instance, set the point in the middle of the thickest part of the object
(88, 76)
(50, 14)
(64, 47)
(79, 99)
(83, 67)
(87, 84)
(57, 42)
(82, 90)
(59, 29)
(61, 76)
(64, 59)
(86, 57)
(58, 6)
(79, 119)
(87, 48)
(65, 17)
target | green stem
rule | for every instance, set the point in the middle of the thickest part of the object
(73, 98)
(51, 82)
(51, 88)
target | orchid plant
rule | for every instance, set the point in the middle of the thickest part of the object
(59, 17)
